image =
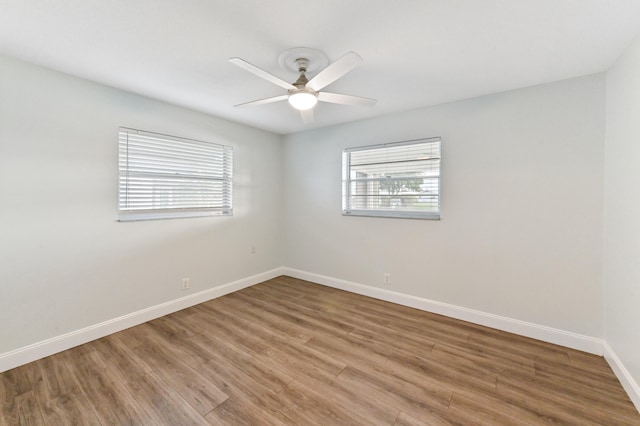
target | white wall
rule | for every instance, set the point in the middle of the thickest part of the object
(522, 196)
(65, 263)
(520, 235)
(622, 212)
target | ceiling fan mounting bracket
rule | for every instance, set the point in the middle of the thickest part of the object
(312, 60)
(302, 64)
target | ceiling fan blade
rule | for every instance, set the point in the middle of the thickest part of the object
(307, 116)
(340, 67)
(337, 98)
(263, 101)
(261, 73)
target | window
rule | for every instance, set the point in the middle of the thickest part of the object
(167, 177)
(400, 179)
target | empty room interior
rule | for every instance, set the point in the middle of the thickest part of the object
(311, 213)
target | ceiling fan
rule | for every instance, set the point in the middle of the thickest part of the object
(304, 94)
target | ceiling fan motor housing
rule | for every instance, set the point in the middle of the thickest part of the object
(302, 98)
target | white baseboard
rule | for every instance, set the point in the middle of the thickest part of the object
(523, 328)
(21, 356)
(628, 383)
(66, 341)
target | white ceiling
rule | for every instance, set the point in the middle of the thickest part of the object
(416, 52)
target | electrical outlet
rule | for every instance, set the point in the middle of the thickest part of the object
(387, 278)
(185, 283)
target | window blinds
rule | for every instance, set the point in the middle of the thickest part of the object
(164, 176)
(399, 179)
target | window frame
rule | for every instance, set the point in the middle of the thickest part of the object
(181, 173)
(389, 213)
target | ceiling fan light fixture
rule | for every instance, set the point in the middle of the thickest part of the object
(303, 100)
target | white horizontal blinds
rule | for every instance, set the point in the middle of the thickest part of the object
(166, 176)
(399, 179)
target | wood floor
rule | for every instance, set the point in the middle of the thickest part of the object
(291, 352)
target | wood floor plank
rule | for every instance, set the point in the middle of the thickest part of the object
(189, 383)
(238, 335)
(330, 308)
(311, 319)
(347, 350)
(24, 410)
(15, 395)
(291, 352)
(69, 409)
(121, 357)
(385, 341)
(58, 394)
(347, 396)
(188, 350)
(601, 382)
(306, 406)
(48, 376)
(112, 402)
(404, 419)
(567, 403)
(171, 328)
(420, 399)
(431, 331)
(13, 386)
(478, 360)
(162, 402)
(252, 387)
(243, 410)
(451, 375)
(488, 410)
(354, 399)
(243, 305)
(249, 375)
(14, 383)
(508, 346)
(304, 359)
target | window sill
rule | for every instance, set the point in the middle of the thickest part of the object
(392, 214)
(138, 216)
